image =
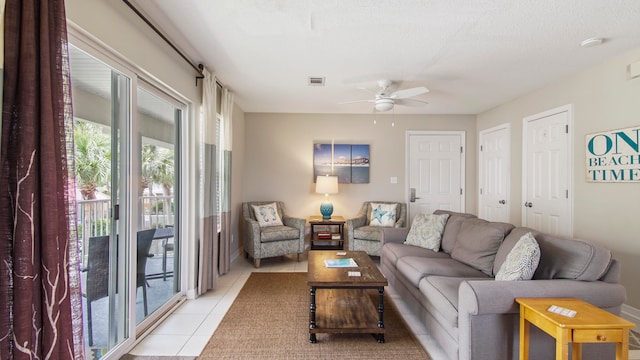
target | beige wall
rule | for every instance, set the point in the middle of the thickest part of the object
(279, 157)
(120, 29)
(603, 99)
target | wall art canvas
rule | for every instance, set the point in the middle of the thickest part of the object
(613, 156)
(350, 162)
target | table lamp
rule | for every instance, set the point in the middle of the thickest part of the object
(326, 185)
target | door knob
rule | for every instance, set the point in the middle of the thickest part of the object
(528, 204)
(502, 202)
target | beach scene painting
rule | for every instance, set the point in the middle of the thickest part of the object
(350, 162)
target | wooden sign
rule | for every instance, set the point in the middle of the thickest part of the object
(614, 156)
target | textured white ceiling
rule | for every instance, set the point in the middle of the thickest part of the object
(472, 54)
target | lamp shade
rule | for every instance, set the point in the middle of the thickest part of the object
(327, 184)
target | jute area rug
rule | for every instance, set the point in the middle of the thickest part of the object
(270, 320)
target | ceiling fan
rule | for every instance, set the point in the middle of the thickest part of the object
(385, 99)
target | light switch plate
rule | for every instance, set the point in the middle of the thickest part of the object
(394, 180)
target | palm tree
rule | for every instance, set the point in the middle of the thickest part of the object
(93, 158)
(158, 167)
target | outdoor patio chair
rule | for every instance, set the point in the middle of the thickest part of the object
(145, 237)
(97, 271)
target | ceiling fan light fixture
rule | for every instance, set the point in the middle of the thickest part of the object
(384, 104)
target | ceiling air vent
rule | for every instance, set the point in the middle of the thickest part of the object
(315, 81)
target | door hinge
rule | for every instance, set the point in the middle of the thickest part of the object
(567, 193)
(461, 150)
(481, 149)
(480, 191)
(460, 191)
(566, 129)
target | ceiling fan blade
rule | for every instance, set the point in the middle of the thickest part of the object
(367, 90)
(407, 93)
(410, 102)
(355, 101)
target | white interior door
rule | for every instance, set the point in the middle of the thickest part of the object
(435, 171)
(547, 165)
(494, 173)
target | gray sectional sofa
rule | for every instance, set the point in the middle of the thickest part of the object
(473, 316)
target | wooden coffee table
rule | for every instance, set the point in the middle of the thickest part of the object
(340, 303)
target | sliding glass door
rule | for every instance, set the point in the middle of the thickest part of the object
(127, 149)
(159, 119)
(102, 108)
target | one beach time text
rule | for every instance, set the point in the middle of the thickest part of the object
(614, 156)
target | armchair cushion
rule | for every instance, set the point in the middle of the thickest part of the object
(383, 214)
(267, 215)
(276, 233)
(367, 233)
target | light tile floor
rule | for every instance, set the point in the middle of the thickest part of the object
(188, 329)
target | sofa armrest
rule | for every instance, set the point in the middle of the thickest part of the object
(394, 235)
(488, 316)
(498, 297)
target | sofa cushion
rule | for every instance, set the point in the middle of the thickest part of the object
(267, 215)
(395, 251)
(563, 258)
(368, 233)
(509, 242)
(478, 242)
(414, 268)
(522, 260)
(441, 292)
(450, 233)
(275, 233)
(383, 214)
(426, 231)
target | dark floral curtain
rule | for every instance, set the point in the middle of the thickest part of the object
(40, 304)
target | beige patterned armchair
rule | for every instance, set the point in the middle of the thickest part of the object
(363, 236)
(270, 241)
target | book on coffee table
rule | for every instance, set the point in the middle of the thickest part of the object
(340, 263)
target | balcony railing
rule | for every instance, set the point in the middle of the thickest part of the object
(94, 216)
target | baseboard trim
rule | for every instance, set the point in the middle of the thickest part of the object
(630, 313)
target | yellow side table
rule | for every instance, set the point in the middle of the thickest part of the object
(590, 324)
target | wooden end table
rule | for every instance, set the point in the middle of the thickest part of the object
(333, 227)
(341, 304)
(590, 324)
